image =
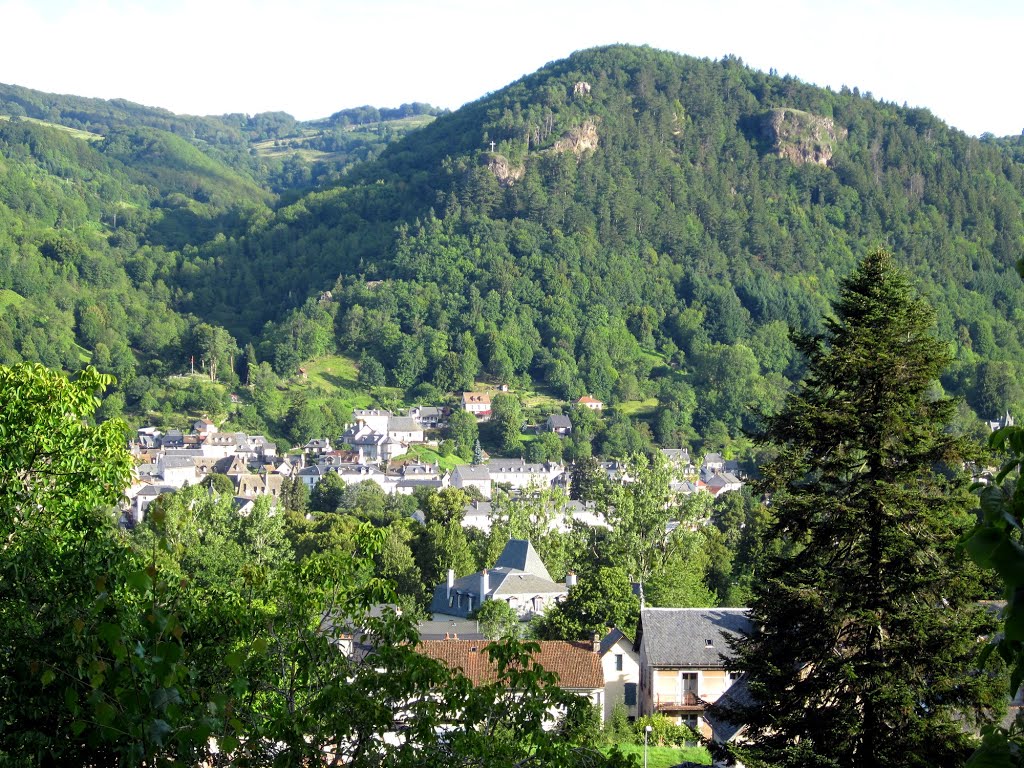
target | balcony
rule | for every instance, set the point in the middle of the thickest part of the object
(688, 702)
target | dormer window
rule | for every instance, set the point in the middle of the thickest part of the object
(709, 643)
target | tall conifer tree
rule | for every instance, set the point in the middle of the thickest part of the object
(867, 641)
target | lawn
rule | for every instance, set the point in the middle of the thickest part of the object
(78, 134)
(637, 408)
(665, 757)
(429, 456)
(8, 297)
(332, 372)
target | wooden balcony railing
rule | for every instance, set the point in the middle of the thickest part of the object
(687, 702)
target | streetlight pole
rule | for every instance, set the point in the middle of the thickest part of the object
(647, 733)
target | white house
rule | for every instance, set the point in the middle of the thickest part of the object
(477, 403)
(621, 665)
(520, 475)
(375, 419)
(518, 577)
(476, 475)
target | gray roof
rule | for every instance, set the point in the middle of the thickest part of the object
(678, 637)
(723, 730)
(609, 640)
(519, 570)
(504, 582)
(179, 462)
(559, 421)
(403, 424)
(472, 472)
(520, 555)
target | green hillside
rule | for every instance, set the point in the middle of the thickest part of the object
(634, 199)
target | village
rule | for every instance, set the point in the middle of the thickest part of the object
(670, 664)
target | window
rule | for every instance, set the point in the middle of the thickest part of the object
(618, 662)
(630, 695)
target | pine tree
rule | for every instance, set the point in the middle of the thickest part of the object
(867, 641)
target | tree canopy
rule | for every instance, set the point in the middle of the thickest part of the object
(866, 651)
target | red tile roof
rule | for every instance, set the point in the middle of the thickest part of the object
(575, 664)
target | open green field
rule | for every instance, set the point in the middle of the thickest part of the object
(636, 408)
(9, 297)
(78, 134)
(333, 372)
(665, 757)
(429, 456)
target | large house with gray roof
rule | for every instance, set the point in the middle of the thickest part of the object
(519, 578)
(683, 653)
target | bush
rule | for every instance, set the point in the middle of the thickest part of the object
(618, 729)
(664, 732)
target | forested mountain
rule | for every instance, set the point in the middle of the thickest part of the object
(631, 223)
(98, 202)
(626, 222)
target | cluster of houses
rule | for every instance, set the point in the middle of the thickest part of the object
(167, 461)
(674, 663)
(370, 449)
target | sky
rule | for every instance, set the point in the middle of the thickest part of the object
(310, 58)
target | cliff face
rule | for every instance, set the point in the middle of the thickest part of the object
(579, 140)
(503, 170)
(801, 137)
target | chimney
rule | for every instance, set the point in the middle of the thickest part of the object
(451, 584)
(570, 580)
(484, 586)
(597, 643)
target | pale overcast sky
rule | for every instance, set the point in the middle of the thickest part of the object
(310, 58)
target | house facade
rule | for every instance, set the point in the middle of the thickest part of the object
(682, 657)
(477, 403)
(518, 578)
(620, 664)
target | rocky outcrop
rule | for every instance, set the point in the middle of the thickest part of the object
(579, 140)
(582, 88)
(503, 170)
(801, 137)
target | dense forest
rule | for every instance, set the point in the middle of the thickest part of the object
(629, 223)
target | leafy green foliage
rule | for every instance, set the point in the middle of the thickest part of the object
(995, 544)
(196, 640)
(497, 619)
(601, 600)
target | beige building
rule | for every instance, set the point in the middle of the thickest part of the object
(621, 665)
(682, 654)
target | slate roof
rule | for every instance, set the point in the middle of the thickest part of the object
(518, 583)
(677, 637)
(723, 730)
(558, 421)
(468, 472)
(609, 640)
(179, 462)
(575, 664)
(518, 571)
(403, 424)
(520, 555)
